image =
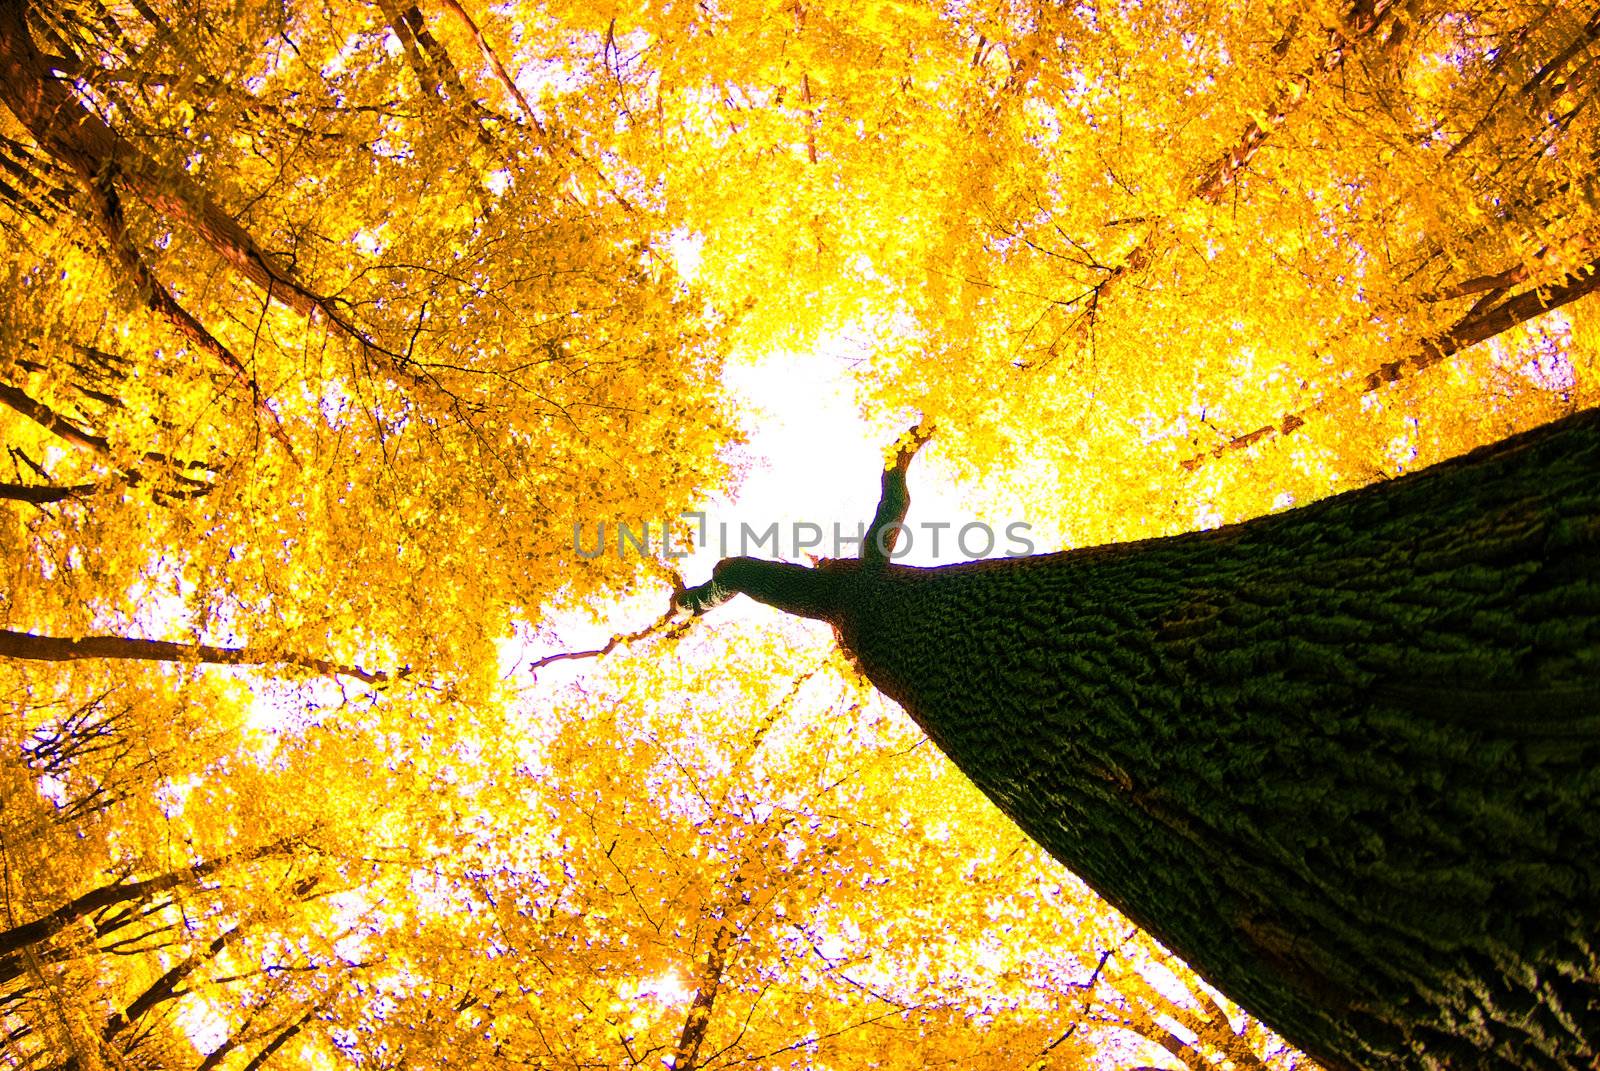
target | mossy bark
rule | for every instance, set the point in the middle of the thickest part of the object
(1342, 759)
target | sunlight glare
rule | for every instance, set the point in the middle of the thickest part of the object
(667, 989)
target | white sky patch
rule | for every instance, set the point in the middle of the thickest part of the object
(817, 461)
(53, 789)
(172, 795)
(547, 76)
(1206, 517)
(160, 602)
(352, 45)
(264, 720)
(666, 989)
(1402, 449)
(1549, 368)
(821, 461)
(202, 1024)
(369, 240)
(686, 248)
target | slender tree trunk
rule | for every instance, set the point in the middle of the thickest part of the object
(165, 988)
(282, 1038)
(44, 494)
(1345, 760)
(27, 933)
(82, 142)
(105, 163)
(1483, 321)
(698, 1021)
(27, 645)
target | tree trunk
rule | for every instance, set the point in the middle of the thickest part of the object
(1483, 321)
(1345, 760)
(28, 645)
(44, 494)
(78, 139)
(20, 936)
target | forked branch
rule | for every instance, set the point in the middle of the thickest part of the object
(815, 593)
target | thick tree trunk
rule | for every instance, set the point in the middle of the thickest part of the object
(1345, 760)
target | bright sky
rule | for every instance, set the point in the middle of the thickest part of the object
(816, 459)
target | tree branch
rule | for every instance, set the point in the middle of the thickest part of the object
(26, 645)
(180, 485)
(1088, 988)
(894, 500)
(1361, 20)
(165, 988)
(815, 593)
(27, 933)
(663, 624)
(51, 421)
(41, 494)
(80, 140)
(493, 59)
(1482, 322)
(283, 1038)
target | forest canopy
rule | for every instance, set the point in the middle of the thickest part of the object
(325, 324)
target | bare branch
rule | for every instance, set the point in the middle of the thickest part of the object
(1088, 987)
(665, 625)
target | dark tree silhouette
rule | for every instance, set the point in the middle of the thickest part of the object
(1342, 759)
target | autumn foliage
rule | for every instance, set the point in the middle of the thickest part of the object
(323, 323)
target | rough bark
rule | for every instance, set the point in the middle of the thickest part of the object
(1345, 760)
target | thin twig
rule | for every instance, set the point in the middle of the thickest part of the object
(1088, 988)
(664, 624)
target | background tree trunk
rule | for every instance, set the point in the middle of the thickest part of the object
(27, 645)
